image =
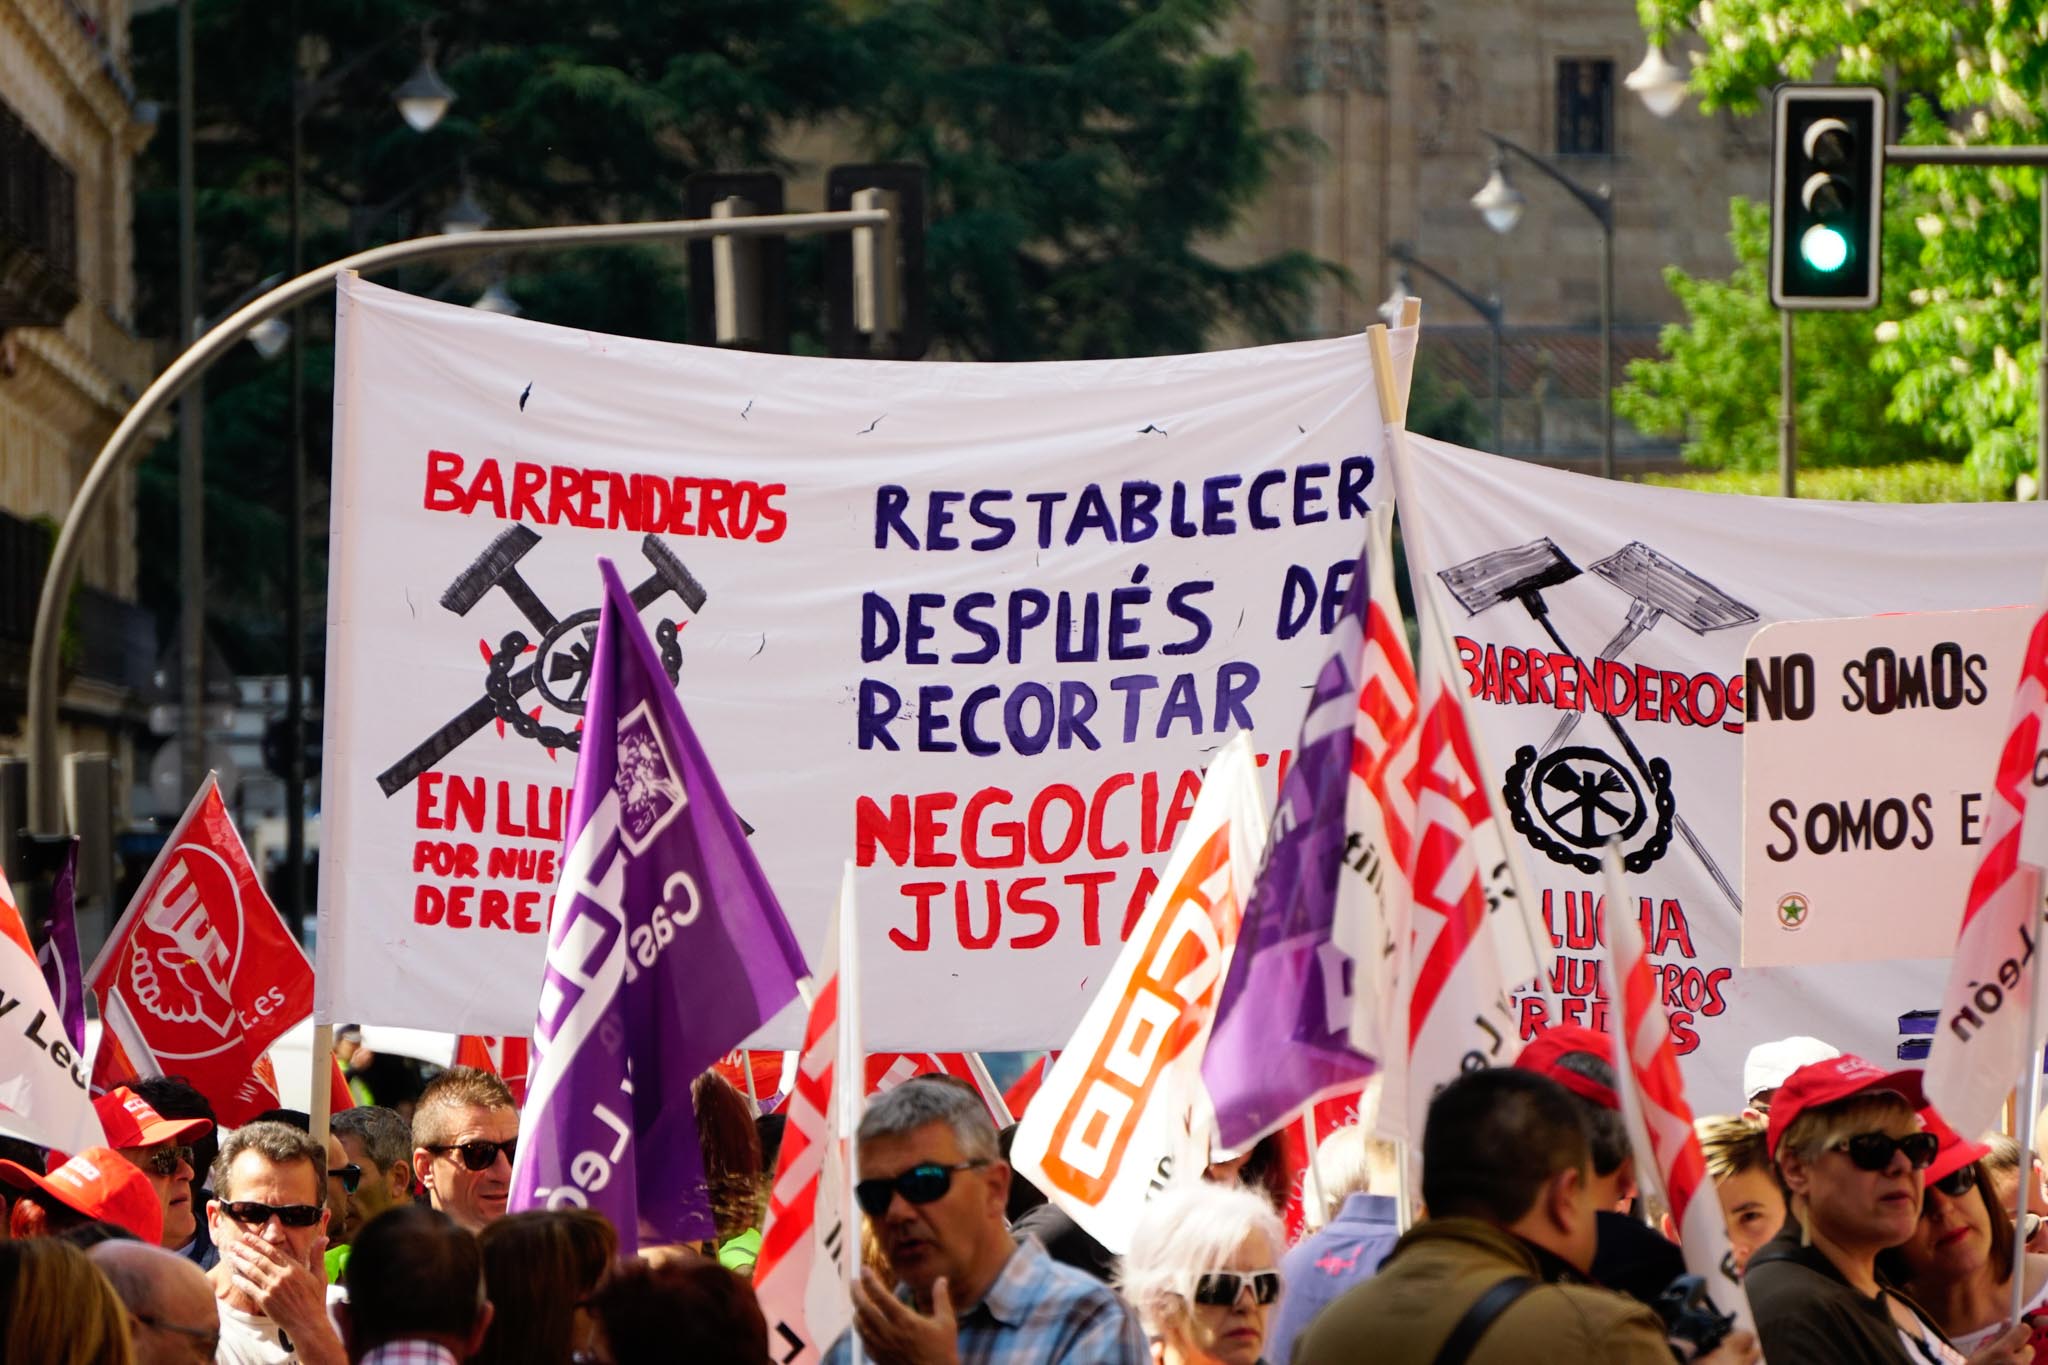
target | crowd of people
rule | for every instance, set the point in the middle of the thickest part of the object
(1862, 1229)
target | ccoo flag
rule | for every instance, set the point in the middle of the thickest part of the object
(1282, 1036)
(666, 948)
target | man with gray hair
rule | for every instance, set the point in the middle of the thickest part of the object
(379, 1141)
(269, 1220)
(1357, 1178)
(933, 1188)
(168, 1299)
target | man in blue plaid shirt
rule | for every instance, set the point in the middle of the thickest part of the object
(933, 1188)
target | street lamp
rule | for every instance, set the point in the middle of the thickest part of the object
(424, 97)
(1659, 82)
(1488, 308)
(465, 214)
(1500, 203)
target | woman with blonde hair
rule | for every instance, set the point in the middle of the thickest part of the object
(1203, 1273)
(1850, 1149)
(57, 1309)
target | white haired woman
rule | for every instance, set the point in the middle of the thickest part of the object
(1850, 1151)
(1203, 1273)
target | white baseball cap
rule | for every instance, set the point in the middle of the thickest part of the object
(1768, 1064)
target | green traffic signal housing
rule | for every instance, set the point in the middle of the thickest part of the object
(1827, 196)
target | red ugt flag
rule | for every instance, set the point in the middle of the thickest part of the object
(200, 976)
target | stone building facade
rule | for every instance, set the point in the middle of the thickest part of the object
(70, 362)
(1398, 93)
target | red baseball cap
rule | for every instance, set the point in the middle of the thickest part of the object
(99, 1183)
(1837, 1078)
(130, 1121)
(1559, 1041)
(1955, 1152)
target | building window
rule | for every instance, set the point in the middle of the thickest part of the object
(1585, 106)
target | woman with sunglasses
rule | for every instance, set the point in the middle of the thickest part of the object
(1849, 1147)
(1203, 1275)
(1958, 1262)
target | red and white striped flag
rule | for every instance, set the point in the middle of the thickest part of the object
(1469, 944)
(1372, 907)
(1981, 1042)
(810, 1245)
(1669, 1161)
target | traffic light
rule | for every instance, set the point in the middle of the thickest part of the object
(1827, 196)
(876, 304)
(739, 286)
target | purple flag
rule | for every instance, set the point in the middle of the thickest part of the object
(1282, 1035)
(666, 948)
(58, 956)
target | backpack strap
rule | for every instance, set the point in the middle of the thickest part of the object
(1480, 1316)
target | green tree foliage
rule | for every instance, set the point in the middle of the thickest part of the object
(1962, 244)
(1079, 153)
(1717, 386)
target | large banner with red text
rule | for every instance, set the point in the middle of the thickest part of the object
(1599, 629)
(977, 626)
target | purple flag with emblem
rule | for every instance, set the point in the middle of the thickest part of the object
(58, 956)
(666, 948)
(1282, 1038)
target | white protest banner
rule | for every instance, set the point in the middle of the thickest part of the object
(1600, 629)
(1863, 780)
(980, 625)
(43, 1094)
(1123, 1110)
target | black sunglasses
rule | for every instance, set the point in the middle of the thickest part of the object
(253, 1215)
(166, 1160)
(1221, 1288)
(1956, 1183)
(350, 1176)
(478, 1155)
(1873, 1151)
(924, 1183)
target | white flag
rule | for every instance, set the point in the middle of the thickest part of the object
(43, 1095)
(1123, 1109)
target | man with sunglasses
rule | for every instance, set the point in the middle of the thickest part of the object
(464, 1133)
(269, 1221)
(161, 1149)
(934, 1189)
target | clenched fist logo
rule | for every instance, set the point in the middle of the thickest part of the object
(178, 964)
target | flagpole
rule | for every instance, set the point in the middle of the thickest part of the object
(2030, 1085)
(1311, 1184)
(320, 1109)
(851, 1078)
(747, 1070)
(998, 1107)
(1404, 1196)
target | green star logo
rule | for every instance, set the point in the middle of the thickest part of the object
(1792, 910)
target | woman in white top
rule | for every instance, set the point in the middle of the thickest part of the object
(1958, 1263)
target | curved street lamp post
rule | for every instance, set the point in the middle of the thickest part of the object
(1488, 308)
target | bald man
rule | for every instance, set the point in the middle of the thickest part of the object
(169, 1301)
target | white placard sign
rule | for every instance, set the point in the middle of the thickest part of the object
(1865, 756)
(975, 626)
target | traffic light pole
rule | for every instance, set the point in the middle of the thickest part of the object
(44, 791)
(1788, 412)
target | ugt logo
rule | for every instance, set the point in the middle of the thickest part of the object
(181, 957)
